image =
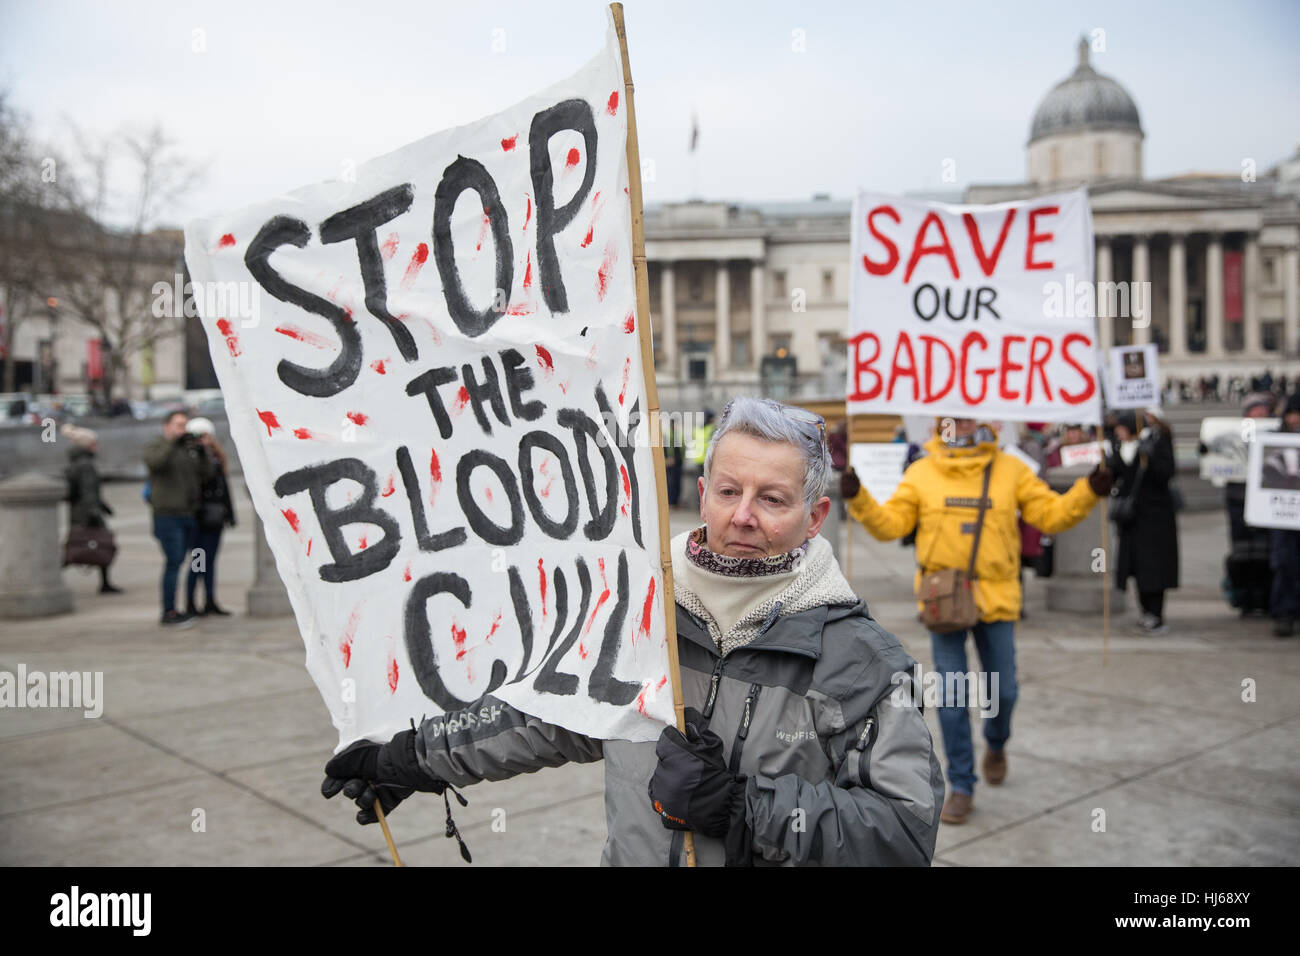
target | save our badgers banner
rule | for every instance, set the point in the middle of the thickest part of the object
(438, 404)
(973, 311)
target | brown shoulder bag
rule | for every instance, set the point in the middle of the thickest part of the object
(947, 596)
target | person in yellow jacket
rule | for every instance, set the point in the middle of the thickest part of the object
(939, 497)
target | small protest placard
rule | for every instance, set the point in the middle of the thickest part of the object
(1132, 377)
(1226, 441)
(879, 466)
(1088, 453)
(1273, 481)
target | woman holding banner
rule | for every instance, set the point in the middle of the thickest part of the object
(963, 499)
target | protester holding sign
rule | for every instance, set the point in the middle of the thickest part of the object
(803, 741)
(1284, 555)
(963, 498)
(1143, 464)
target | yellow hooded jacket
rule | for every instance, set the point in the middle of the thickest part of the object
(939, 496)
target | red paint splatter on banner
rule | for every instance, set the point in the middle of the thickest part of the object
(663, 680)
(544, 360)
(358, 417)
(388, 486)
(458, 638)
(290, 516)
(606, 272)
(541, 576)
(302, 335)
(582, 650)
(591, 233)
(392, 674)
(226, 240)
(564, 388)
(389, 248)
(508, 144)
(232, 340)
(627, 485)
(496, 622)
(640, 700)
(487, 493)
(406, 575)
(302, 433)
(345, 648)
(629, 324)
(596, 206)
(269, 420)
(462, 399)
(604, 596)
(646, 609)
(378, 366)
(520, 309)
(573, 159)
(363, 543)
(591, 356)
(528, 211)
(612, 106)
(418, 259)
(482, 231)
(435, 474)
(627, 370)
(528, 271)
(545, 490)
(309, 547)
(349, 632)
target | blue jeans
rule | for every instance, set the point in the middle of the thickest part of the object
(995, 642)
(177, 536)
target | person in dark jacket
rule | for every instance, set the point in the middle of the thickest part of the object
(175, 482)
(1143, 465)
(216, 511)
(805, 742)
(1284, 551)
(86, 507)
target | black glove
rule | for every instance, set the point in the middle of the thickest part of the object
(692, 788)
(366, 770)
(850, 485)
(1101, 481)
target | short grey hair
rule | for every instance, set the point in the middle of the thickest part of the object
(768, 419)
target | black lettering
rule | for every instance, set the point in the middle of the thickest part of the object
(519, 378)
(359, 223)
(549, 680)
(427, 542)
(316, 479)
(524, 615)
(947, 303)
(570, 115)
(603, 685)
(428, 384)
(490, 390)
(560, 530)
(981, 303)
(561, 615)
(916, 301)
(419, 639)
(342, 372)
(602, 519)
(480, 523)
(461, 175)
(624, 442)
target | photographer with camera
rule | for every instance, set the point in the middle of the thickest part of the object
(175, 466)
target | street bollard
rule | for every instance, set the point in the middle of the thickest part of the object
(267, 597)
(1075, 584)
(31, 557)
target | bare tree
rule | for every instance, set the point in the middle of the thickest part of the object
(108, 250)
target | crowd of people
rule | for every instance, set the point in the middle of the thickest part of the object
(1235, 388)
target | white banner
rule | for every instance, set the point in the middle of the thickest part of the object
(879, 466)
(1088, 453)
(1273, 481)
(436, 396)
(1226, 441)
(1133, 377)
(973, 311)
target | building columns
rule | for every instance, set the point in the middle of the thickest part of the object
(1142, 282)
(1105, 274)
(1214, 297)
(757, 315)
(1177, 296)
(722, 346)
(1251, 344)
(1291, 302)
(668, 316)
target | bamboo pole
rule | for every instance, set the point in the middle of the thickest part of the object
(651, 387)
(388, 835)
(1105, 555)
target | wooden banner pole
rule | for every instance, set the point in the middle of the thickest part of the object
(388, 835)
(651, 388)
(1105, 554)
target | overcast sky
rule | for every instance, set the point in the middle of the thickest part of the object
(285, 92)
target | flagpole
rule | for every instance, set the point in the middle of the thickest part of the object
(651, 388)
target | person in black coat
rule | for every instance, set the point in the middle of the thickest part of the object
(86, 508)
(1143, 465)
(216, 511)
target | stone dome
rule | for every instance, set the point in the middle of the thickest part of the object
(1085, 100)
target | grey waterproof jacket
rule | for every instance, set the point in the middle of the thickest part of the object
(817, 711)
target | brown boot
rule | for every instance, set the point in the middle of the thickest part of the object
(957, 807)
(995, 766)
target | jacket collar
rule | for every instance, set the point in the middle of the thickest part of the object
(799, 633)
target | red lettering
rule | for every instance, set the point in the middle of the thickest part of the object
(1090, 384)
(983, 372)
(886, 267)
(897, 371)
(987, 263)
(1008, 366)
(930, 394)
(919, 250)
(861, 366)
(1035, 237)
(1037, 362)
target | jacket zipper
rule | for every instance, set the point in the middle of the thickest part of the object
(743, 731)
(714, 682)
